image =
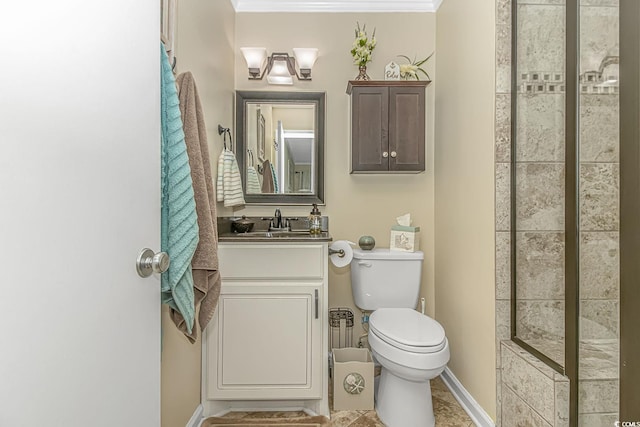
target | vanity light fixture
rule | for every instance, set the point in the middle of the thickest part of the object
(280, 67)
(255, 57)
(306, 58)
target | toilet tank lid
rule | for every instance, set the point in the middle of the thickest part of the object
(384, 253)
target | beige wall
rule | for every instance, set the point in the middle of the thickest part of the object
(464, 192)
(356, 204)
(205, 32)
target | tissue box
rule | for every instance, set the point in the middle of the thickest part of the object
(405, 238)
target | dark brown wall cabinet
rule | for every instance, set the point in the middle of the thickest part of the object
(387, 126)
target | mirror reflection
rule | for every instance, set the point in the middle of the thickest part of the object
(281, 142)
(280, 146)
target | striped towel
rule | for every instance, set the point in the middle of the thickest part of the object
(229, 186)
(275, 178)
(253, 182)
(179, 233)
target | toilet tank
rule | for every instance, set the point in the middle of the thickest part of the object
(381, 278)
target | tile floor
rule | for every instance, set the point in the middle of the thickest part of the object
(447, 410)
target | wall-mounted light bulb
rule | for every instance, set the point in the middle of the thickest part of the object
(306, 58)
(255, 58)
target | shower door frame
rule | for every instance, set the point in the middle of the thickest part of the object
(571, 194)
(629, 209)
(513, 184)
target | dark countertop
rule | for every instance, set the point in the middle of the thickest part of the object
(276, 236)
(299, 232)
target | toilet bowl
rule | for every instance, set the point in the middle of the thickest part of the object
(412, 349)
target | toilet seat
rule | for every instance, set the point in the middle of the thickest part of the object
(408, 330)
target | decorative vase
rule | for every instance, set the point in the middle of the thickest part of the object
(367, 243)
(363, 73)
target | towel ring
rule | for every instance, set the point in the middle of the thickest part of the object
(223, 131)
(230, 140)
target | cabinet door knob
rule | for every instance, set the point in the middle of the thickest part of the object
(385, 154)
(394, 154)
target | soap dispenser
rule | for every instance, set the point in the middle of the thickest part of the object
(314, 221)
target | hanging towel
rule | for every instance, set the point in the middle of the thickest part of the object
(267, 177)
(206, 277)
(229, 183)
(179, 222)
(253, 182)
(275, 178)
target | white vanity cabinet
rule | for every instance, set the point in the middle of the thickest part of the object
(266, 347)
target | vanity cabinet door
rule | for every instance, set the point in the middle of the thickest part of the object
(387, 126)
(267, 342)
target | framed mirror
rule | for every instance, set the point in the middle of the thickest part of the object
(280, 146)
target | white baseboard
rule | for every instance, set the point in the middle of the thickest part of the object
(196, 418)
(478, 415)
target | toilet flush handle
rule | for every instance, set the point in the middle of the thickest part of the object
(364, 263)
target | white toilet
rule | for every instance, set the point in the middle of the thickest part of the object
(411, 347)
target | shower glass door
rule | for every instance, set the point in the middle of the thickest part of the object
(599, 219)
(565, 204)
(538, 176)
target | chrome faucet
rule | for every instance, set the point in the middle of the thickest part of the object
(277, 223)
(277, 219)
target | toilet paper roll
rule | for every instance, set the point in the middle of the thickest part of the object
(341, 260)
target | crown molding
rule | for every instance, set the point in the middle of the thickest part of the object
(373, 6)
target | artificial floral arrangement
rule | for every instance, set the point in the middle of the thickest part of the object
(410, 71)
(362, 48)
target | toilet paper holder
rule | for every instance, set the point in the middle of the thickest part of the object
(339, 252)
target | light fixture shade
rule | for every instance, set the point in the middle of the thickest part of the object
(255, 57)
(279, 73)
(306, 56)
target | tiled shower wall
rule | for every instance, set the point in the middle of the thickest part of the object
(532, 393)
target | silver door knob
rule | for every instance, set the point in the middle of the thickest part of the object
(149, 262)
(394, 154)
(385, 154)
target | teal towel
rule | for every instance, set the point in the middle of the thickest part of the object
(179, 229)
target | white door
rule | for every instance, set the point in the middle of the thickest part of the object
(79, 198)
